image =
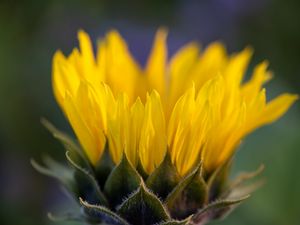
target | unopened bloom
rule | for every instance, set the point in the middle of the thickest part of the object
(196, 105)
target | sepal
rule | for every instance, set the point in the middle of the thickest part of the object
(188, 196)
(143, 208)
(69, 143)
(122, 181)
(177, 222)
(141, 170)
(163, 180)
(218, 180)
(218, 209)
(98, 214)
(66, 217)
(104, 167)
(240, 185)
(64, 138)
(87, 184)
(57, 171)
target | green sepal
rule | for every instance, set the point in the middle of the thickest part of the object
(188, 196)
(143, 208)
(164, 178)
(80, 161)
(87, 184)
(243, 190)
(240, 187)
(66, 217)
(122, 181)
(97, 214)
(218, 209)
(243, 177)
(218, 180)
(69, 143)
(103, 167)
(174, 222)
(64, 138)
(141, 170)
(58, 171)
(177, 222)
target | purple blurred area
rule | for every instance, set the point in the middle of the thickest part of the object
(30, 33)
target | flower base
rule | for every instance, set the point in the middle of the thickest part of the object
(125, 195)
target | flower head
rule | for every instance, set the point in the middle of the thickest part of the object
(156, 143)
(196, 105)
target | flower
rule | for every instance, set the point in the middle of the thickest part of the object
(196, 105)
(156, 143)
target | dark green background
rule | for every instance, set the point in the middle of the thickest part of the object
(31, 31)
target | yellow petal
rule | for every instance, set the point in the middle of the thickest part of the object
(180, 70)
(93, 144)
(181, 115)
(276, 108)
(179, 130)
(254, 111)
(211, 62)
(147, 136)
(87, 62)
(64, 77)
(101, 60)
(118, 129)
(260, 76)
(153, 138)
(110, 101)
(233, 136)
(92, 106)
(236, 68)
(156, 65)
(212, 120)
(136, 122)
(122, 70)
(86, 48)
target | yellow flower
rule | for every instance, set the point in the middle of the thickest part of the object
(195, 105)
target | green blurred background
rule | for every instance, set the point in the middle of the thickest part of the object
(31, 31)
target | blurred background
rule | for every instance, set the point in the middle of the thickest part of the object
(31, 31)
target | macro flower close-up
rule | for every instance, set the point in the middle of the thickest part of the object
(170, 129)
(177, 112)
